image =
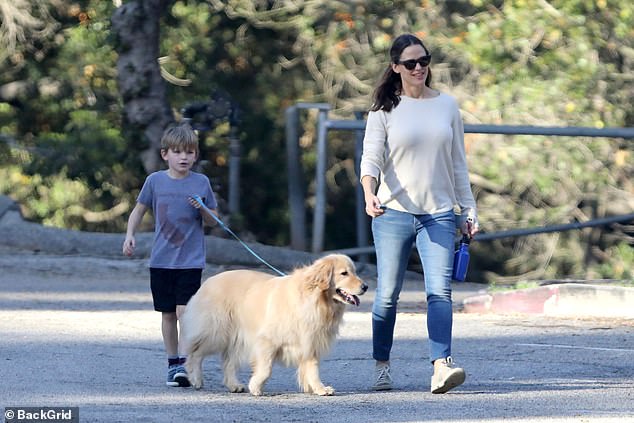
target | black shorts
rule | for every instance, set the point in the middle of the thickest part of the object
(172, 287)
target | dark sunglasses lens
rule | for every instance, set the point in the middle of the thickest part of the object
(411, 64)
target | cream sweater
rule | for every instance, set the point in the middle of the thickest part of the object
(417, 154)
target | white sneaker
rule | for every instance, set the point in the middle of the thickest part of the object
(446, 376)
(382, 377)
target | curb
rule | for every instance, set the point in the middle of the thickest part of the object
(7, 204)
(17, 233)
(568, 299)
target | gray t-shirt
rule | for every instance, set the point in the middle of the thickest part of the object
(179, 239)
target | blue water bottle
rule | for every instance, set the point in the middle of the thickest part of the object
(461, 259)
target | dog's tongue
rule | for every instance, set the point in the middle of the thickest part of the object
(356, 300)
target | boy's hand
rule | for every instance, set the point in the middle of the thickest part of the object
(193, 202)
(128, 246)
(208, 214)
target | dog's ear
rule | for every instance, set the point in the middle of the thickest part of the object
(320, 274)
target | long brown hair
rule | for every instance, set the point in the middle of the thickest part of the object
(387, 93)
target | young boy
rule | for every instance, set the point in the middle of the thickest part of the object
(178, 252)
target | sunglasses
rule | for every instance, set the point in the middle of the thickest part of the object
(411, 63)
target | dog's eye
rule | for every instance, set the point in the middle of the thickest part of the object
(344, 273)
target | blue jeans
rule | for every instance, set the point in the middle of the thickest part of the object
(394, 234)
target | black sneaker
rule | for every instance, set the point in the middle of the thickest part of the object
(177, 376)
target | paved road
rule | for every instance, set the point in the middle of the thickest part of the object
(80, 331)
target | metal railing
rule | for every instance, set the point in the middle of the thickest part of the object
(324, 125)
(296, 194)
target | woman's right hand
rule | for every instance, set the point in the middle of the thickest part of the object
(373, 206)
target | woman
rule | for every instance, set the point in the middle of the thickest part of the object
(414, 146)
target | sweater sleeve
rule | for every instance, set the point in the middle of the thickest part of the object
(373, 156)
(463, 192)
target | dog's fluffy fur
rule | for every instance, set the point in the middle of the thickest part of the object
(251, 316)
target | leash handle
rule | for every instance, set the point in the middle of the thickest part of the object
(199, 200)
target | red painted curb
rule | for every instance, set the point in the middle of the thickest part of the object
(568, 299)
(530, 301)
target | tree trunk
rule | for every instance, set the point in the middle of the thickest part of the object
(136, 26)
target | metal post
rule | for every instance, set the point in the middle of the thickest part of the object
(361, 218)
(319, 218)
(296, 195)
(234, 171)
(295, 181)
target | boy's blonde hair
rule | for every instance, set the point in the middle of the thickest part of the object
(179, 137)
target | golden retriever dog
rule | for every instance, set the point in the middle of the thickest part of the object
(251, 316)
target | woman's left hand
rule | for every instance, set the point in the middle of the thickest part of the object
(470, 226)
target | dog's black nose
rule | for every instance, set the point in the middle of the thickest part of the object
(364, 287)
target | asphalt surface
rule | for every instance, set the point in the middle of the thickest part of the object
(80, 331)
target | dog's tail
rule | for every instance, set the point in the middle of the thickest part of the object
(204, 330)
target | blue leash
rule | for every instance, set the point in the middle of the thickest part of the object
(223, 226)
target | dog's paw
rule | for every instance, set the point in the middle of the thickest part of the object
(326, 391)
(196, 383)
(255, 390)
(236, 389)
